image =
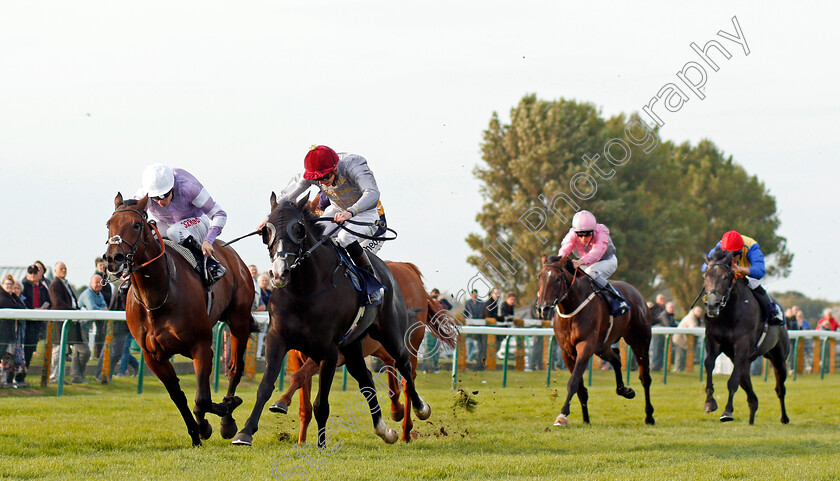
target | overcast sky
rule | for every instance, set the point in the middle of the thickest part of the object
(236, 92)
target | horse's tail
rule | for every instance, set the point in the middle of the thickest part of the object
(253, 326)
(440, 322)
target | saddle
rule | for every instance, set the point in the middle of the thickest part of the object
(191, 260)
(365, 284)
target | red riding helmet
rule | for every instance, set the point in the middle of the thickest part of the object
(732, 241)
(319, 162)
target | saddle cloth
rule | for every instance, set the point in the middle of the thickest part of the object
(183, 251)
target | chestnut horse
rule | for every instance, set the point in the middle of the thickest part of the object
(314, 307)
(583, 327)
(167, 314)
(734, 327)
(423, 308)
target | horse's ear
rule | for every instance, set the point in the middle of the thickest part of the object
(706, 259)
(141, 204)
(273, 200)
(118, 200)
(302, 203)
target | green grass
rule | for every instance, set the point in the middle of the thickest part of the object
(109, 432)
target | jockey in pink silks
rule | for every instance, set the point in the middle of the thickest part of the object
(596, 256)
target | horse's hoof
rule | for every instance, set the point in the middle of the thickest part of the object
(650, 421)
(785, 420)
(726, 417)
(228, 428)
(561, 421)
(626, 392)
(387, 434)
(242, 439)
(205, 430)
(233, 402)
(279, 407)
(196, 443)
(399, 414)
(424, 413)
(711, 406)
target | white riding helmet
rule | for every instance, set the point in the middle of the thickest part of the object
(158, 179)
(583, 221)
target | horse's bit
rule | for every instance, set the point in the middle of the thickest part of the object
(724, 296)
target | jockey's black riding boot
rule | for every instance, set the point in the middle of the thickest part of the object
(618, 305)
(768, 307)
(215, 270)
(361, 260)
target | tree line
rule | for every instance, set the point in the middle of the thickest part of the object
(665, 204)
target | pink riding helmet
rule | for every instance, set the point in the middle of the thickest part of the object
(583, 221)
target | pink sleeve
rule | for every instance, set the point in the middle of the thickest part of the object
(568, 244)
(601, 240)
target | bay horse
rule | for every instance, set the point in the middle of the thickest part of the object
(734, 326)
(167, 314)
(583, 327)
(313, 306)
(424, 313)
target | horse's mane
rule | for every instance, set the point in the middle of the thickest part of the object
(720, 256)
(570, 268)
(309, 217)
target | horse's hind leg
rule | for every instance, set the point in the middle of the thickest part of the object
(778, 357)
(612, 356)
(640, 352)
(275, 351)
(397, 408)
(166, 373)
(752, 399)
(321, 407)
(356, 367)
(393, 343)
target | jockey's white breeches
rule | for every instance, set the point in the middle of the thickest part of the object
(603, 268)
(197, 227)
(344, 238)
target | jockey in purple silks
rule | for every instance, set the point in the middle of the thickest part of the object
(185, 213)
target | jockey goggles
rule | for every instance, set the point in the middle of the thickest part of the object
(584, 233)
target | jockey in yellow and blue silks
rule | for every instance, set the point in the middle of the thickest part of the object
(748, 262)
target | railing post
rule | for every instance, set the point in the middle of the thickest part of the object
(797, 357)
(629, 357)
(455, 365)
(505, 367)
(689, 352)
(815, 363)
(141, 369)
(217, 355)
(702, 358)
(666, 361)
(589, 384)
(45, 371)
(490, 355)
(63, 348)
(548, 358)
(550, 364)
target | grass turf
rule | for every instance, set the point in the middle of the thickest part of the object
(110, 432)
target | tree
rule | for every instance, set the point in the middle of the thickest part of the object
(537, 175)
(711, 195)
(665, 205)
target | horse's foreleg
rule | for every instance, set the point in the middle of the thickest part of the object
(397, 408)
(240, 333)
(166, 373)
(275, 351)
(712, 352)
(752, 399)
(741, 364)
(356, 367)
(321, 407)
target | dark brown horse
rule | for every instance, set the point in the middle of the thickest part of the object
(167, 314)
(734, 327)
(314, 307)
(583, 327)
(426, 311)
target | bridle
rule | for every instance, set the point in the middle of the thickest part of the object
(566, 287)
(128, 265)
(117, 240)
(724, 295)
(293, 258)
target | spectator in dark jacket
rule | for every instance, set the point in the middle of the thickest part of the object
(36, 295)
(10, 363)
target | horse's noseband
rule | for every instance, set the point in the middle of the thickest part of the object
(724, 295)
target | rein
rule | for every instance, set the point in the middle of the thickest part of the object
(378, 223)
(725, 296)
